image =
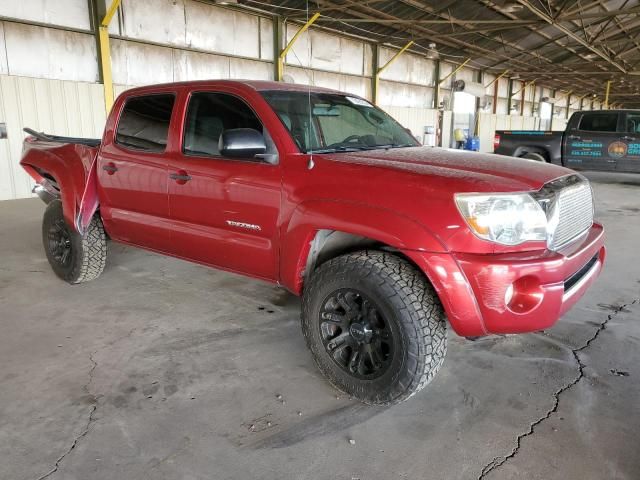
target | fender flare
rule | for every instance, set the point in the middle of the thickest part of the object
(376, 223)
(73, 168)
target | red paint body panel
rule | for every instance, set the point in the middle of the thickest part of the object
(402, 198)
(69, 164)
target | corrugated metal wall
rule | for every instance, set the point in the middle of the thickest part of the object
(54, 106)
(48, 69)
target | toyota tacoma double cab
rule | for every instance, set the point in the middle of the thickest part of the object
(388, 243)
(607, 140)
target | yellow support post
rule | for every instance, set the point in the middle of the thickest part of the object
(524, 87)
(458, 68)
(496, 79)
(376, 75)
(105, 55)
(577, 99)
(283, 53)
(606, 95)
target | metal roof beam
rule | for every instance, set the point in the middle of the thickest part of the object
(570, 33)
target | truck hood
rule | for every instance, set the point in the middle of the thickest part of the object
(479, 172)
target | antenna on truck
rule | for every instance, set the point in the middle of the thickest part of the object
(311, 163)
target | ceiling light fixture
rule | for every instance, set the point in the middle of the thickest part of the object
(432, 52)
(511, 7)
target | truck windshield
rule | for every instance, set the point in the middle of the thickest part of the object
(328, 122)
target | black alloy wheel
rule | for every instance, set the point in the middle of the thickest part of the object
(59, 243)
(355, 335)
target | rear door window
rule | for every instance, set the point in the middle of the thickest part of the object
(633, 123)
(599, 122)
(144, 122)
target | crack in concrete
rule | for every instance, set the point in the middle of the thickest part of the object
(497, 462)
(94, 407)
(85, 430)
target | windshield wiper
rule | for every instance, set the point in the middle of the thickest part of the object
(391, 145)
(359, 148)
(336, 149)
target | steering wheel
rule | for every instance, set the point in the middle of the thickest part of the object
(351, 138)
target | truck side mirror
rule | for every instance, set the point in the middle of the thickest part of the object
(242, 143)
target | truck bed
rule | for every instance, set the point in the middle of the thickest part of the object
(519, 143)
(46, 137)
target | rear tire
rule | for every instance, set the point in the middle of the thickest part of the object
(73, 257)
(535, 156)
(375, 326)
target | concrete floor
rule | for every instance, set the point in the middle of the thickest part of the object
(165, 370)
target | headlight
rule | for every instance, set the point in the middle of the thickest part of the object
(508, 219)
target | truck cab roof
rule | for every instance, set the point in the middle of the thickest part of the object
(257, 85)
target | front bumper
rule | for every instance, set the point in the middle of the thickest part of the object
(512, 292)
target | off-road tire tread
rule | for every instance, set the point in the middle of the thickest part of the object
(94, 251)
(90, 249)
(418, 307)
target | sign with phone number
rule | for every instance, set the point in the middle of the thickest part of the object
(615, 149)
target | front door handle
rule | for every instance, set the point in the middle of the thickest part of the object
(110, 168)
(573, 137)
(628, 138)
(181, 177)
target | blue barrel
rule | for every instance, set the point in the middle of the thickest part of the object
(473, 144)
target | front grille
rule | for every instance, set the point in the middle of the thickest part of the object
(574, 210)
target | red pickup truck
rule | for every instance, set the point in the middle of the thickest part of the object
(321, 192)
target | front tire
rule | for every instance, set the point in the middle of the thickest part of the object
(73, 257)
(375, 326)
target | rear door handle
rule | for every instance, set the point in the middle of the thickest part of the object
(573, 137)
(628, 138)
(110, 168)
(181, 177)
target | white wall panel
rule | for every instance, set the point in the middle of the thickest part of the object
(250, 69)
(352, 56)
(49, 53)
(356, 85)
(199, 66)
(266, 39)
(486, 131)
(488, 78)
(346, 83)
(503, 87)
(403, 95)
(301, 76)
(4, 67)
(54, 106)
(559, 124)
(326, 80)
(466, 74)
(502, 106)
(415, 119)
(300, 53)
(445, 69)
(140, 64)
(160, 21)
(407, 67)
(324, 51)
(446, 130)
(222, 30)
(368, 60)
(67, 13)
